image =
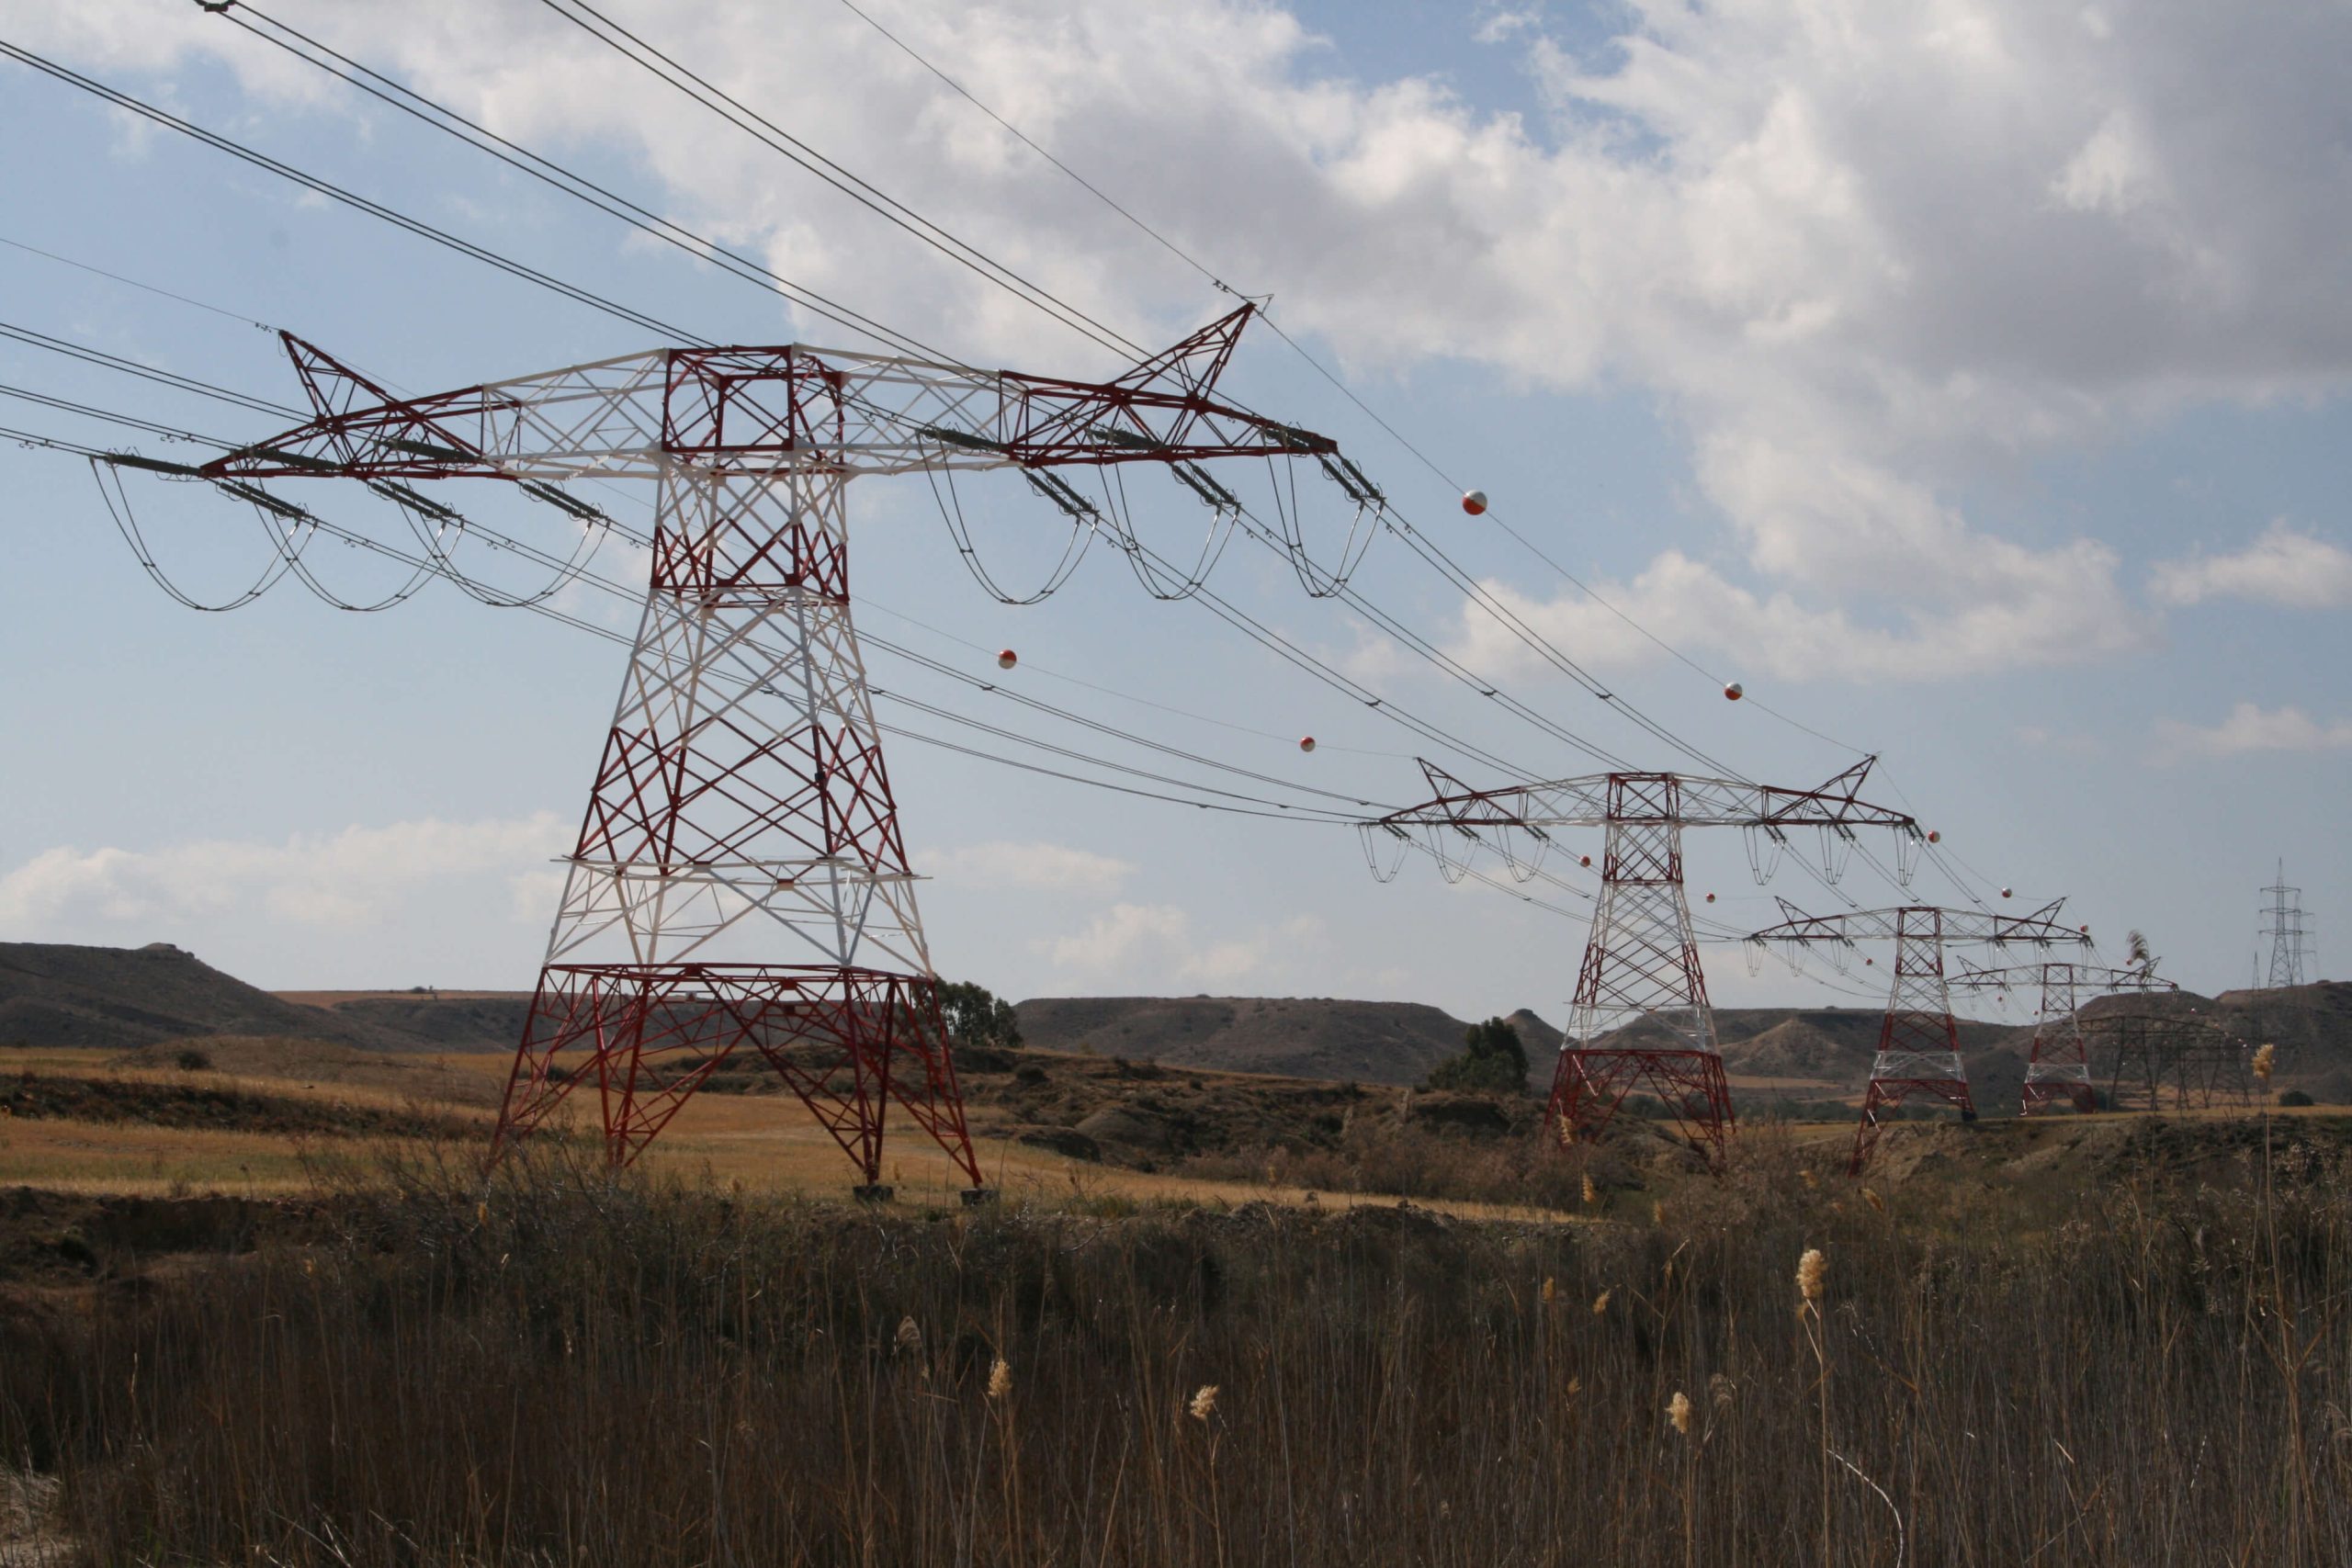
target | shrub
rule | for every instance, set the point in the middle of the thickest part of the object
(1492, 1062)
(192, 1060)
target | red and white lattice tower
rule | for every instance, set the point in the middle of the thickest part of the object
(1640, 1018)
(1918, 1041)
(740, 882)
(2060, 1068)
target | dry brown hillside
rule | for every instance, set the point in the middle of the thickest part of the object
(118, 997)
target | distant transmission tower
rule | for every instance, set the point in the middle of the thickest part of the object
(1641, 1018)
(1918, 1041)
(2284, 922)
(2060, 1067)
(740, 882)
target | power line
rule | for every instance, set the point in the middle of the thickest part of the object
(134, 283)
(336, 193)
(1324, 371)
(686, 81)
(440, 116)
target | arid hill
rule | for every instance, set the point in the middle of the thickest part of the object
(1317, 1037)
(122, 999)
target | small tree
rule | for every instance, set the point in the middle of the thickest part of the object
(977, 1017)
(1492, 1062)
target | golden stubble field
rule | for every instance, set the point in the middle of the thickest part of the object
(763, 1144)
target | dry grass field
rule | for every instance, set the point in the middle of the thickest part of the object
(279, 1316)
(758, 1143)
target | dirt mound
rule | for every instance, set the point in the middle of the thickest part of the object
(1313, 1037)
(37, 1097)
(52, 994)
(314, 1062)
(1798, 1048)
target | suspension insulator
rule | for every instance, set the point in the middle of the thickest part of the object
(1306, 743)
(1475, 503)
(1007, 659)
(1734, 692)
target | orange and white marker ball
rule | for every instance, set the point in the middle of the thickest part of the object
(1475, 503)
(1734, 692)
(1306, 743)
(1007, 659)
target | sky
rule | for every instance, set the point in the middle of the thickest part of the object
(1966, 381)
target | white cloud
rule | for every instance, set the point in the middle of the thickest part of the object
(1033, 865)
(2250, 728)
(1152, 948)
(2047, 611)
(2109, 175)
(1864, 251)
(2282, 566)
(341, 879)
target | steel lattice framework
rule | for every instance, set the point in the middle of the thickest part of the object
(2060, 1067)
(2288, 929)
(741, 800)
(2147, 1052)
(1640, 1017)
(1918, 1041)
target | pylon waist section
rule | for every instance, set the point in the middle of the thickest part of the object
(2058, 1072)
(781, 871)
(1585, 1048)
(694, 596)
(1940, 1065)
(787, 973)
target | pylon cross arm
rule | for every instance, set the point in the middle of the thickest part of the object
(749, 409)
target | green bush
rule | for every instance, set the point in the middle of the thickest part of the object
(1492, 1062)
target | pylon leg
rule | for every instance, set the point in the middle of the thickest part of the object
(848, 1043)
(1590, 1086)
(1886, 1093)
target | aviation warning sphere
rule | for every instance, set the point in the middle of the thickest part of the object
(2005, 892)
(1007, 659)
(1306, 743)
(1475, 503)
(1584, 860)
(1711, 897)
(1934, 837)
(1734, 692)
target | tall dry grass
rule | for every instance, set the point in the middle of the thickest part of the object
(563, 1371)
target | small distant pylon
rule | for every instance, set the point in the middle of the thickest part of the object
(2058, 1071)
(2288, 929)
(1640, 1019)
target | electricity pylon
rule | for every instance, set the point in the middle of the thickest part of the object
(2060, 1067)
(1640, 1016)
(2284, 922)
(741, 805)
(1918, 1041)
